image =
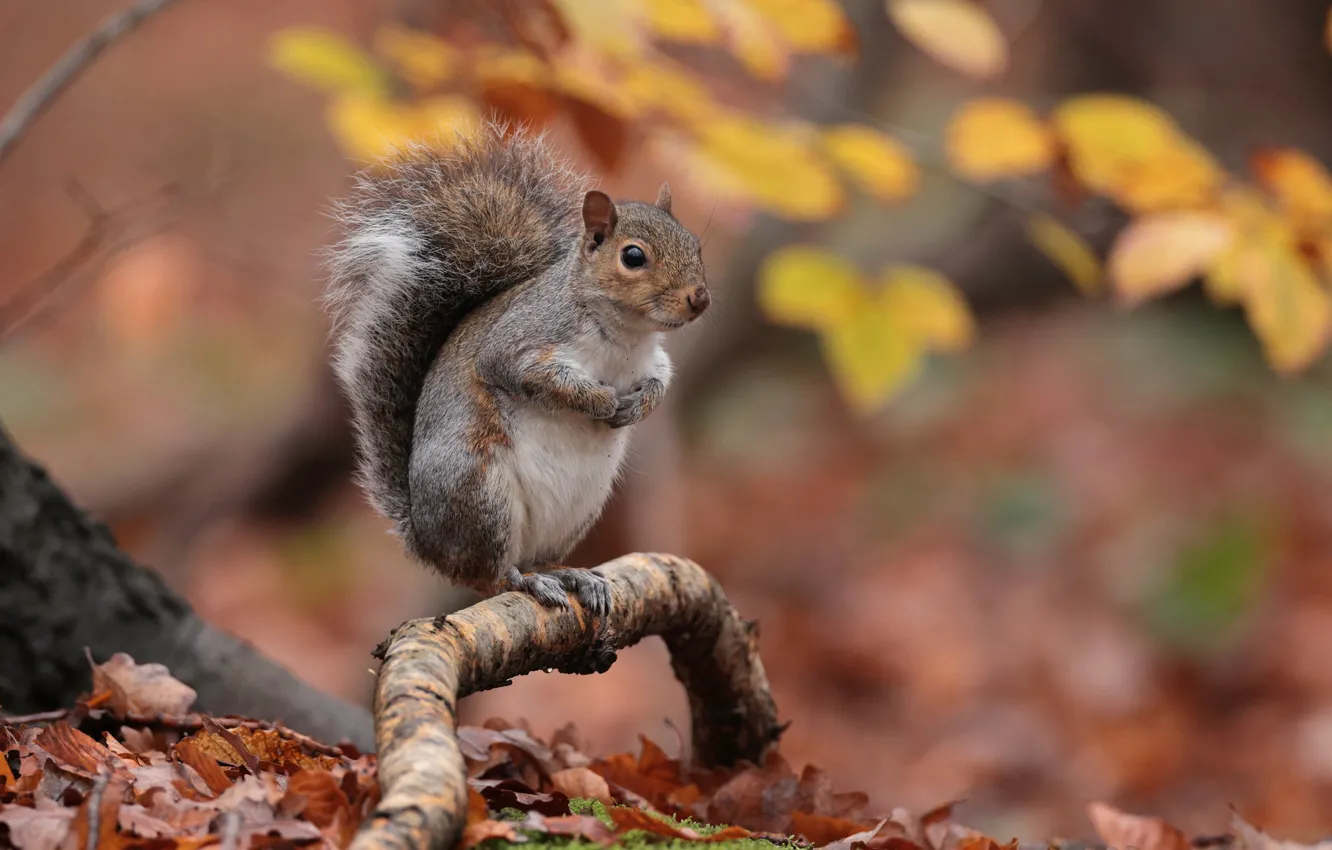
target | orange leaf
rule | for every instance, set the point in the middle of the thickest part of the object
(1300, 183)
(1130, 832)
(992, 138)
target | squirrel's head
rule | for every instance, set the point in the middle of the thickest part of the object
(643, 260)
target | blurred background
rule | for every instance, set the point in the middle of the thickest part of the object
(1087, 557)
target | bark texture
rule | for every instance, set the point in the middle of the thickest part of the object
(64, 587)
(430, 664)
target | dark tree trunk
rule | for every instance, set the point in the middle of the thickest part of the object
(65, 587)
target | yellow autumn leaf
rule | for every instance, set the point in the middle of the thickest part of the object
(808, 26)
(1183, 176)
(1299, 182)
(771, 165)
(753, 39)
(1255, 224)
(957, 33)
(1159, 253)
(994, 138)
(926, 307)
(1067, 250)
(870, 359)
(370, 127)
(879, 164)
(422, 59)
(613, 27)
(687, 21)
(324, 60)
(810, 287)
(669, 89)
(1288, 309)
(497, 64)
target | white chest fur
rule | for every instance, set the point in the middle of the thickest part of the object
(565, 463)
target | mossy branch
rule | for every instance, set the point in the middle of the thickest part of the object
(430, 664)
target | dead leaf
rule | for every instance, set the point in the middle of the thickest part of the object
(324, 799)
(475, 833)
(72, 749)
(1123, 831)
(580, 782)
(822, 829)
(141, 688)
(189, 752)
(36, 829)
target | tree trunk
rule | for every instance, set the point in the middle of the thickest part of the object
(65, 589)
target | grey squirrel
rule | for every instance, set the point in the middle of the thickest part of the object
(496, 329)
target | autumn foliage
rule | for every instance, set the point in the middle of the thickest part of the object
(132, 767)
(1261, 241)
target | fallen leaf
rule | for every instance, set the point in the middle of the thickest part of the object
(994, 138)
(822, 829)
(189, 752)
(141, 688)
(957, 33)
(1160, 253)
(36, 829)
(579, 782)
(476, 833)
(72, 749)
(324, 800)
(1123, 831)
(1250, 837)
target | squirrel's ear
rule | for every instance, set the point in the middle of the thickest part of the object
(664, 197)
(598, 216)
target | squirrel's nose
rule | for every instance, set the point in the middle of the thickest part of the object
(699, 298)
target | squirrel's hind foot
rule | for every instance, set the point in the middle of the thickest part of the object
(551, 588)
(591, 588)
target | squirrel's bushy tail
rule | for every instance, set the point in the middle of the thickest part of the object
(430, 234)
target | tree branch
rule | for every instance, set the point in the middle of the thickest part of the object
(430, 664)
(69, 67)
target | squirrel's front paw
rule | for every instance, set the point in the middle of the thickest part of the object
(636, 404)
(603, 403)
(630, 410)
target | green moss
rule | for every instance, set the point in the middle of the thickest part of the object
(635, 840)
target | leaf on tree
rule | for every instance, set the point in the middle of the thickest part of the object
(994, 138)
(685, 21)
(1068, 251)
(809, 287)
(878, 164)
(1160, 253)
(1300, 182)
(324, 60)
(959, 34)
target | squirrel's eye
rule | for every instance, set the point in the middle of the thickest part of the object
(633, 257)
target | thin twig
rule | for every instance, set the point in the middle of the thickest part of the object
(42, 94)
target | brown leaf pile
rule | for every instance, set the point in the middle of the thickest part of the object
(130, 767)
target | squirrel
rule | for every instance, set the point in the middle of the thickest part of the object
(497, 330)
